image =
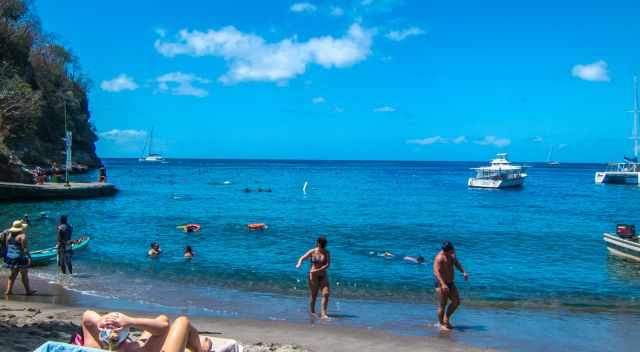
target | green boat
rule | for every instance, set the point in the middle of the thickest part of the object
(46, 256)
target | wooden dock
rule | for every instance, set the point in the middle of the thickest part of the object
(75, 190)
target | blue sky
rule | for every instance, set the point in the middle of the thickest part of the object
(362, 79)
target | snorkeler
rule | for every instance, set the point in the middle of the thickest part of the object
(318, 276)
(154, 249)
(413, 259)
(111, 332)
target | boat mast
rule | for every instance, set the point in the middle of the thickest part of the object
(150, 141)
(635, 116)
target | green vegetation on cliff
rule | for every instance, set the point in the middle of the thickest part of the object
(38, 80)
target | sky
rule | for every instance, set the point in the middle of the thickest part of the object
(361, 79)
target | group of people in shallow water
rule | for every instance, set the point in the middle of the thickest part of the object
(155, 251)
(14, 250)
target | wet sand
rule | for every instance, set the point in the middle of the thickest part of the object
(27, 322)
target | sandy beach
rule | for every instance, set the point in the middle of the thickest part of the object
(27, 322)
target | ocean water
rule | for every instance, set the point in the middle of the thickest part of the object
(536, 248)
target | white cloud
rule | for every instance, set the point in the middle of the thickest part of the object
(493, 140)
(118, 84)
(384, 109)
(178, 83)
(439, 140)
(303, 7)
(459, 140)
(428, 140)
(251, 58)
(123, 136)
(537, 139)
(318, 100)
(595, 72)
(336, 11)
(403, 34)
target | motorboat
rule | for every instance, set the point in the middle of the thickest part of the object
(500, 174)
(624, 243)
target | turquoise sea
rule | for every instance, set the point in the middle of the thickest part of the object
(535, 255)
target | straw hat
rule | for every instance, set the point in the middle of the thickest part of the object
(18, 226)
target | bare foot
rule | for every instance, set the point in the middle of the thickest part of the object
(8, 293)
(448, 325)
(325, 317)
(444, 327)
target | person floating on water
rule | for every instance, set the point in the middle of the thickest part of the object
(111, 332)
(64, 245)
(413, 259)
(17, 257)
(318, 275)
(188, 252)
(443, 270)
(154, 249)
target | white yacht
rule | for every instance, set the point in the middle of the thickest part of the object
(148, 156)
(627, 172)
(501, 174)
(624, 243)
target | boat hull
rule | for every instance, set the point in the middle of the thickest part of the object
(617, 177)
(46, 256)
(495, 183)
(622, 248)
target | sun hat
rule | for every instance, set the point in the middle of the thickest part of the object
(18, 226)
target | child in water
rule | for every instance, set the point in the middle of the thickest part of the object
(188, 252)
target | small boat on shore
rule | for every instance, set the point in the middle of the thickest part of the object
(624, 243)
(46, 256)
(501, 174)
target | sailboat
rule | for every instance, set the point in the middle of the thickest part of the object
(148, 156)
(627, 172)
(550, 161)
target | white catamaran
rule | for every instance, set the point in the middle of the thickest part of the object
(147, 155)
(501, 174)
(627, 172)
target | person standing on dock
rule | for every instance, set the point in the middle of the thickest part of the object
(102, 172)
(65, 251)
(446, 290)
(17, 257)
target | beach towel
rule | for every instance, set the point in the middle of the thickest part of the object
(219, 345)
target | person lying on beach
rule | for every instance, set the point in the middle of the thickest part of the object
(188, 252)
(443, 270)
(154, 249)
(111, 332)
(17, 257)
(318, 276)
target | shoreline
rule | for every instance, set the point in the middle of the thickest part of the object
(54, 314)
(478, 329)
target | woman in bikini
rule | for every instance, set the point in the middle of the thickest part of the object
(318, 275)
(111, 332)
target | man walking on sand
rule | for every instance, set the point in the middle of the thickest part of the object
(446, 289)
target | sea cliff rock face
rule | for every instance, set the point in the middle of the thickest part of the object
(42, 90)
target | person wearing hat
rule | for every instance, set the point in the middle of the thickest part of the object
(443, 270)
(17, 257)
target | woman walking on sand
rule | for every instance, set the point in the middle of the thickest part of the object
(17, 257)
(318, 275)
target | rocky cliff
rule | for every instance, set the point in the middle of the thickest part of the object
(41, 87)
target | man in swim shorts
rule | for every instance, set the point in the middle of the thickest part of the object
(443, 270)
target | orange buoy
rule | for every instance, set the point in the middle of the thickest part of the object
(257, 226)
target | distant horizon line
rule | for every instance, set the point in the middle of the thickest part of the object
(356, 160)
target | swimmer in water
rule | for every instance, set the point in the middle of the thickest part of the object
(154, 249)
(417, 260)
(318, 278)
(188, 252)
